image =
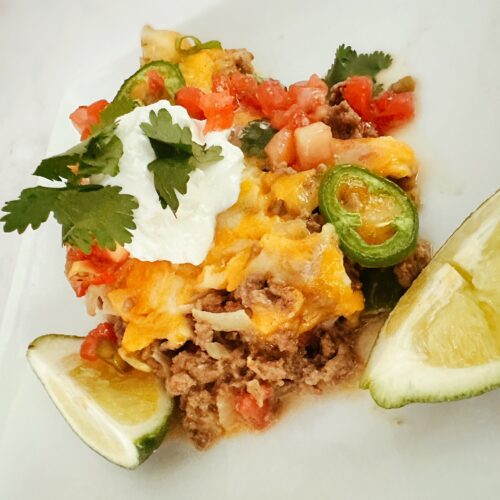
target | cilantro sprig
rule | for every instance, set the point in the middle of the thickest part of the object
(97, 155)
(119, 106)
(88, 213)
(177, 155)
(255, 137)
(349, 63)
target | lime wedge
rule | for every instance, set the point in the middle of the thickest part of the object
(122, 416)
(442, 340)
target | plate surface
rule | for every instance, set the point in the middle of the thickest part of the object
(329, 447)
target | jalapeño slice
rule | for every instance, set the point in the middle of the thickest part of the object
(375, 220)
(144, 86)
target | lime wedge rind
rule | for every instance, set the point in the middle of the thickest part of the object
(124, 445)
(397, 373)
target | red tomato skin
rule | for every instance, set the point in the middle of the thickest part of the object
(310, 94)
(358, 92)
(222, 83)
(189, 98)
(103, 331)
(258, 417)
(156, 85)
(105, 256)
(292, 118)
(272, 96)
(104, 264)
(244, 89)
(393, 110)
(74, 254)
(219, 110)
(84, 117)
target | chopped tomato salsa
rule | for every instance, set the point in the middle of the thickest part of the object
(85, 117)
(104, 332)
(97, 268)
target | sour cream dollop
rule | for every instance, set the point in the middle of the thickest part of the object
(187, 236)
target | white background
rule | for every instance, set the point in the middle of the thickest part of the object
(44, 46)
(344, 447)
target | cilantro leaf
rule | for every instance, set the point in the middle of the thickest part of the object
(56, 168)
(102, 155)
(99, 215)
(203, 155)
(349, 63)
(32, 208)
(88, 214)
(255, 136)
(170, 176)
(99, 154)
(119, 106)
(162, 129)
(177, 155)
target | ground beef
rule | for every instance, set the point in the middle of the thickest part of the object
(268, 370)
(354, 272)
(336, 94)
(198, 365)
(235, 60)
(203, 334)
(347, 124)
(410, 186)
(408, 270)
(315, 223)
(219, 301)
(287, 363)
(200, 417)
(277, 207)
(242, 59)
(259, 291)
(343, 120)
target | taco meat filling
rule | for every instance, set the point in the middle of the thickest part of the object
(278, 306)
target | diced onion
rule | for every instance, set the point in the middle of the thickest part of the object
(133, 361)
(234, 321)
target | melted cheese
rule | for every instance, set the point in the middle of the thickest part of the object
(155, 297)
(384, 156)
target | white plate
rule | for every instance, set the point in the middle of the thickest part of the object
(331, 447)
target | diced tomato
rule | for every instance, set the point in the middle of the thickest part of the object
(189, 98)
(387, 111)
(84, 273)
(74, 254)
(116, 256)
(90, 346)
(256, 416)
(244, 89)
(272, 96)
(219, 110)
(280, 150)
(85, 117)
(156, 85)
(222, 83)
(358, 92)
(313, 145)
(97, 268)
(99, 255)
(393, 110)
(310, 94)
(292, 118)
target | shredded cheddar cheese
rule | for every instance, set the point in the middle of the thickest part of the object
(155, 298)
(263, 234)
